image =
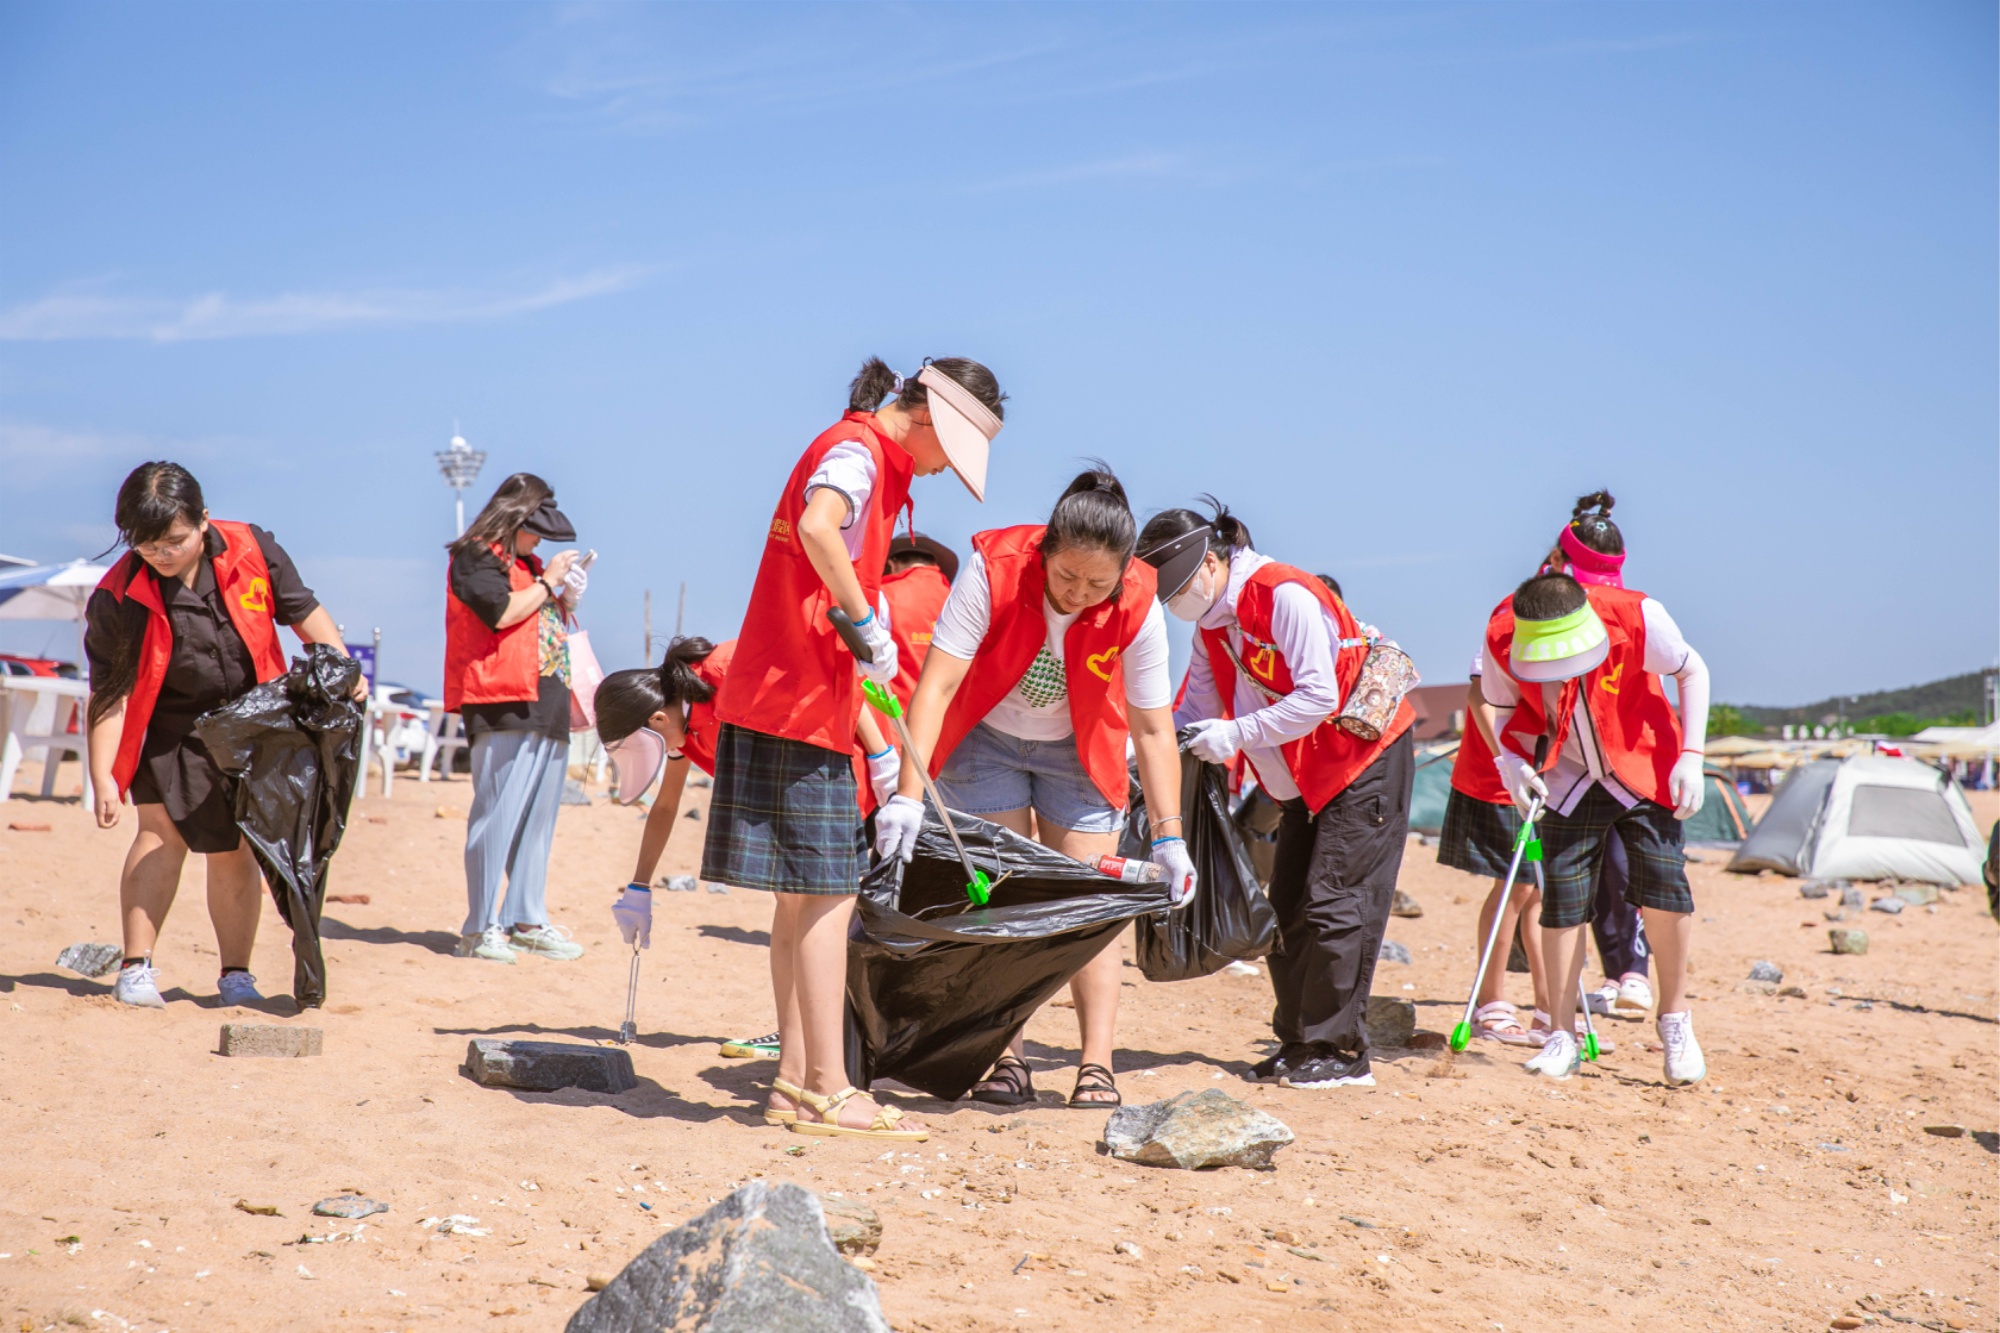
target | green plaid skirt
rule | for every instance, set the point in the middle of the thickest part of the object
(1478, 836)
(784, 817)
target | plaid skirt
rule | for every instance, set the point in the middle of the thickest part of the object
(1477, 837)
(1573, 851)
(784, 817)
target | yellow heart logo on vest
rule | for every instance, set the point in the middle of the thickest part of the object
(1609, 681)
(258, 598)
(1100, 664)
(1263, 662)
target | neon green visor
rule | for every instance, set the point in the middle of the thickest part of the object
(1559, 649)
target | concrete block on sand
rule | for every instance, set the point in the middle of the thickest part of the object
(1194, 1130)
(548, 1066)
(758, 1260)
(270, 1040)
(1391, 1021)
(1848, 941)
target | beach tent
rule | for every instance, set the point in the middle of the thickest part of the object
(1866, 817)
(1723, 819)
(51, 592)
(1433, 788)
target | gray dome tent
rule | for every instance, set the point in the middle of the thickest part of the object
(1868, 817)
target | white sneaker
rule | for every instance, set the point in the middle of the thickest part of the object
(1603, 999)
(1684, 1060)
(490, 944)
(238, 988)
(1635, 998)
(139, 985)
(1559, 1058)
(548, 941)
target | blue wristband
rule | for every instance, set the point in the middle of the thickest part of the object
(640, 887)
(887, 749)
(1161, 842)
(867, 619)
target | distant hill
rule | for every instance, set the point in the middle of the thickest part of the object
(1952, 696)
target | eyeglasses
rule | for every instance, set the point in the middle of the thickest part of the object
(167, 549)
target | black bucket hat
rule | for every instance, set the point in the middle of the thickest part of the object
(549, 523)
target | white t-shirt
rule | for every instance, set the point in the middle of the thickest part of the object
(848, 468)
(1581, 762)
(1037, 708)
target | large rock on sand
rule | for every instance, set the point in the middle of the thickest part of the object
(1194, 1130)
(760, 1260)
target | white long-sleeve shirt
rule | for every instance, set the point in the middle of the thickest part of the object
(1581, 760)
(1306, 636)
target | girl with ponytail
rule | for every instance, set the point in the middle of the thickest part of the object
(1049, 654)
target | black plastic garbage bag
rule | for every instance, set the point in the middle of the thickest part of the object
(1230, 917)
(937, 988)
(293, 746)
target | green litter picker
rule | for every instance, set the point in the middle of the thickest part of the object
(1528, 846)
(978, 884)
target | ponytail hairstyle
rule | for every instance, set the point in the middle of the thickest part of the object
(1226, 532)
(626, 699)
(876, 384)
(1093, 514)
(151, 497)
(1591, 522)
(517, 497)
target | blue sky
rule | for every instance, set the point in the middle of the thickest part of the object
(1397, 281)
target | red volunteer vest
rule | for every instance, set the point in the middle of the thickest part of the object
(1472, 770)
(485, 666)
(1093, 669)
(916, 595)
(792, 676)
(699, 746)
(1326, 759)
(244, 581)
(1636, 727)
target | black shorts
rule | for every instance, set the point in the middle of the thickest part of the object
(1573, 855)
(175, 771)
(1478, 836)
(784, 816)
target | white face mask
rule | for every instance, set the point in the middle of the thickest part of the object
(1191, 602)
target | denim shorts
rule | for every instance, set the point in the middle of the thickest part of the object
(991, 772)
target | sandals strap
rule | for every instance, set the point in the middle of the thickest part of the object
(828, 1108)
(787, 1089)
(1095, 1078)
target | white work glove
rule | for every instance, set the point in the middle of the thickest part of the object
(1684, 784)
(1176, 870)
(1215, 740)
(574, 583)
(884, 771)
(634, 914)
(896, 825)
(1520, 779)
(876, 635)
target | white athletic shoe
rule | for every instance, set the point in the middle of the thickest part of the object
(1559, 1058)
(490, 944)
(548, 941)
(238, 988)
(139, 986)
(1635, 998)
(1684, 1060)
(1602, 999)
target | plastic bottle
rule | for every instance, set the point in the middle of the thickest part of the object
(1130, 870)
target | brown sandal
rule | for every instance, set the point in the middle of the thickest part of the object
(1095, 1079)
(1013, 1083)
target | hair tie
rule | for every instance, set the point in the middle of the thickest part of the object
(896, 389)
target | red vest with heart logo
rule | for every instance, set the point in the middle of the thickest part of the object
(792, 676)
(489, 666)
(1638, 735)
(1472, 770)
(699, 746)
(1093, 654)
(244, 581)
(1324, 760)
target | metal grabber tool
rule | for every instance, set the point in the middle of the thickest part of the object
(630, 1027)
(1526, 846)
(978, 884)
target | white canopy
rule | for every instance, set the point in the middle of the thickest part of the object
(48, 592)
(1988, 735)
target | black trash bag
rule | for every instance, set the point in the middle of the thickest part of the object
(293, 746)
(1230, 918)
(937, 988)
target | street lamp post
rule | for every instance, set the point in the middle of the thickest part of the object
(460, 464)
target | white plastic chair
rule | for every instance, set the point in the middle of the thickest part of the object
(445, 736)
(35, 714)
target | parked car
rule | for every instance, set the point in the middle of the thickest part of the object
(13, 664)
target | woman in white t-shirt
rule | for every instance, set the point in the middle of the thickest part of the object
(1050, 653)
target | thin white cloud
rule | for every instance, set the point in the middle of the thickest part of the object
(1138, 166)
(90, 314)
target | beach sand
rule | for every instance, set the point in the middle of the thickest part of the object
(1796, 1182)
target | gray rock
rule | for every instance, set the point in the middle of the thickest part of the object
(852, 1226)
(1765, 971)
(718, 888)
(1851, 897)
(1391, 1021)
(1392, 952)
(1890, 905)
(700, 780)
(91, 960)
(573, 793)
(1812, 888)
(350, 1206)
(757, 1261)
(545, 1066)
(270, 1040)
(1195, 1130)
(1848, 941)
(1792, 992)
(1835, 914)
(1917, 895)
(681, 884)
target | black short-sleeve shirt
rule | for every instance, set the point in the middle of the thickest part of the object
(480, 581)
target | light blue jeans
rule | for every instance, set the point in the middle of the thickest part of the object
(517, 786)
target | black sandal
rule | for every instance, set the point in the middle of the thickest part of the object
(1095, 1079)
(1015, 1084)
